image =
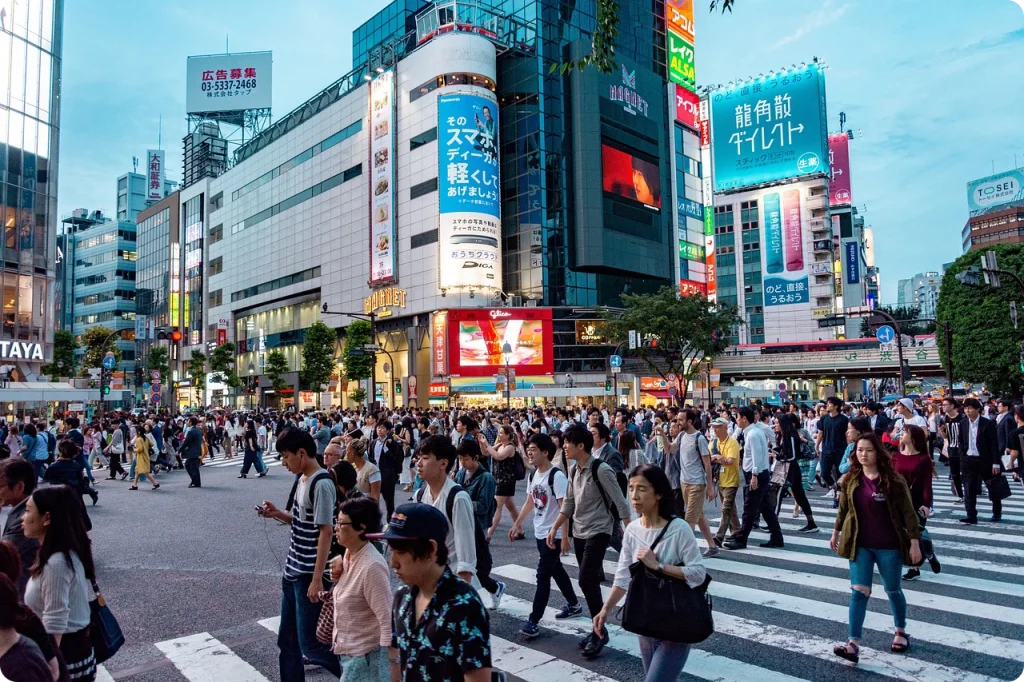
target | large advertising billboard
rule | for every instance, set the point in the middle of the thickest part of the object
(154, 174)
(382, 178)
(995, 190)
(687, 107)
(786, 251)
(770, 129)
(840, 193)
(630, 177)
(477, 339)
(679, 15)
(681, 66)
(228, 82)
(469, 193)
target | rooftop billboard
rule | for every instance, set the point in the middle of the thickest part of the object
(228, 82)
(995, 190)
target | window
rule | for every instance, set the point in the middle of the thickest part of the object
(216, 234)
(423, 138)
(274, 284)
(215, 297)
(450, 79)
(297, 199)
(423, 238)
(423, 188)
(216, 201)
(353, 172)
(217, 265)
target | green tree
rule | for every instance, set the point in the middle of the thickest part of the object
(985, 345)
(276, 366)
(64, 346)
(157, 359)
(197, 372)
(98, 341)
(222, 365)
(684, 329)
(358, 364)
(318, 357)
(358, 395)
(906, 315)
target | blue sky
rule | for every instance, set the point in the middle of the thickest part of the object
(931, 87)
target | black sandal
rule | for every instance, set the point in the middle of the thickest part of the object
(900, 648)
(848, 651)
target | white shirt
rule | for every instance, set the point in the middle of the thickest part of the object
(755, 450)
(461, 539)
(972, 437)
(546, 503)
(678, 547)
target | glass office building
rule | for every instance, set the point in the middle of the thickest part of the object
(30, 49)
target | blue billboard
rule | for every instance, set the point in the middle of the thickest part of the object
(769, 129)
(468, 147)
(851, 252)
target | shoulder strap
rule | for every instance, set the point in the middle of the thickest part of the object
(419, 495)
(450, 502)
(594, 467)
(551, 479)
(662, 533)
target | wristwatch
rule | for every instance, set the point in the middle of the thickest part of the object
(661, 567)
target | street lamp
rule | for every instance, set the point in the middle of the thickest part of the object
(252, 372)
(506, 350)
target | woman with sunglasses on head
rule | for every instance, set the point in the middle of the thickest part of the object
(876, 525)
(59, 585)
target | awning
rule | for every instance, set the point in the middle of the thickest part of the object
(46, 391)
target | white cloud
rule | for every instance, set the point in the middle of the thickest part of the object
(817, 19)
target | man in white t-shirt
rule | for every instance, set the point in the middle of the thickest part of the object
(907, 415)
(546, 488)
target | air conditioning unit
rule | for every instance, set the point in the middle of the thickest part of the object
(80, 213)
(515, 301)
(531, 303)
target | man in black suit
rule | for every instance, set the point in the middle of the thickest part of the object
(876, 416)
(191, 451)
(388, 453)
(1005, 425)
(980, 461)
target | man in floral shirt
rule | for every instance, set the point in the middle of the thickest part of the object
(439, 625)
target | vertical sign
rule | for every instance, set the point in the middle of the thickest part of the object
(784, 261)
(382, 179)
(439, 343)
(852, 254)
(681, 68)
(687, 107)
(707, 197)
(154, 175)
(222, 331)
(839, 190)
(679, 14)
(469, 194)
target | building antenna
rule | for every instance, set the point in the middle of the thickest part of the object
(227, 50)
(160, 133)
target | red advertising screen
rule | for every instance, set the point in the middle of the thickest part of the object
(687, 108)
(631, 177)
(477, 338)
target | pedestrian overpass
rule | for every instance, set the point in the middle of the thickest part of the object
(853, 363)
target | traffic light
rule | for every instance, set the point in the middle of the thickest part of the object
(175, 335)
(1021, 356)
(607, 385)
(105, 376)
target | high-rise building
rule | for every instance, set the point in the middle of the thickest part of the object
(31, 35)
(132, 195)
(920, 291)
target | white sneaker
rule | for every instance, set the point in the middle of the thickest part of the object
(827, 495)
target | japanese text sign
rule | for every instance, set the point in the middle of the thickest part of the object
(770, 129)
(687, 107)
(681, 68)
(839, 190)
(679, 15)
(228, 82)
(784, 256)
(154, 175)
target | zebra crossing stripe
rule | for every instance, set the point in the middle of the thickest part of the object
(102, 675)
(203, 658)
(942, 531)
(536, 666)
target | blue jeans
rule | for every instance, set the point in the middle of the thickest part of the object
(890, 567)
(371, 667)
(296, 636)
(83, 460)
(662, 660)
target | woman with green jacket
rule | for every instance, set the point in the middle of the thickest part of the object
(876, 525)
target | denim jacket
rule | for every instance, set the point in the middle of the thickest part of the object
(481, 489)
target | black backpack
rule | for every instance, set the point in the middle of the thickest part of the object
(594, 466)
(483, 550)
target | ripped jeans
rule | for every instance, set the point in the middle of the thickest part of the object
(890, 567)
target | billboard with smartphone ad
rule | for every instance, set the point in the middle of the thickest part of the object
(477, 338)
(786, 250)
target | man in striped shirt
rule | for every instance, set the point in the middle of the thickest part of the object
(311, 517)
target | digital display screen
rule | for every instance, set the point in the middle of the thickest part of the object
(480, 338)
(631, 177)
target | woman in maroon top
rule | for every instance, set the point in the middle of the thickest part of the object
(916, 467)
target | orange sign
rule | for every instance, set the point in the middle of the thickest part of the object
(679, 14)
(648, 384)
(438, 390)
(440, 343)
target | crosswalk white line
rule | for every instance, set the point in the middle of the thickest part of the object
(203, 658)
(272, 624)
(536, 666)
(1008, 502)
(958, 512)
(700, 664)
(102, 675)
(1008, 538)
(899, 667)
(945, 578)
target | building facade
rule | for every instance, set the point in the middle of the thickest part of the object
(31, 35)
(995, 206)
(920, 291)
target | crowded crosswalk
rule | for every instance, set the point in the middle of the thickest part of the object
(777, 611)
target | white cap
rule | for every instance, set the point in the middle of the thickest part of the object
(907, 403)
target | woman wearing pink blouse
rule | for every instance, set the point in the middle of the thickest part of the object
(362, 596)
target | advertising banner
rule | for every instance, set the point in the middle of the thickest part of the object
(591, 332)
(382, 178)
(630, 177)
(995, 190)
(681, 68)
(839, 191)
(851, 258)
(689, 209)
(469, 192)
(154, 174)
(679, 15)
(770, 129)
(439, 343)
(784, 256)
(479, 337)
(687, 107)
(688, 287)
(690, 251)
(228, 82)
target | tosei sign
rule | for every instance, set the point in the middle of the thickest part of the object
(228, 82)
(995, 190)
(770, 129)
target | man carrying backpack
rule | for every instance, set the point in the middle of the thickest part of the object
(696, 481)
(595, 504)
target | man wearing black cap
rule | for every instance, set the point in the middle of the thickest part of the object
(423, 644)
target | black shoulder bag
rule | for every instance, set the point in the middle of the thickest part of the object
(665, 607)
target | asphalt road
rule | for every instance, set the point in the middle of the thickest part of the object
(191, 573)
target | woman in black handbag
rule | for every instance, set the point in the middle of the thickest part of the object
(665, 545)
(59, 587)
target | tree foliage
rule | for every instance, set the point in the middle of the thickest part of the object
(985, 344)
(222, 365)
(98, 341)
(358, 395)
(197, 372)
(157, 359)
(276, 366)
(318, 356)
(64, 346)
(907, 316)
(687, 329)
(358, 365)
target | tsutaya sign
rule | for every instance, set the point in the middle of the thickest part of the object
(19, 350)
(383, 300)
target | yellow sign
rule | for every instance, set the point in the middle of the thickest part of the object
(382, 299)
